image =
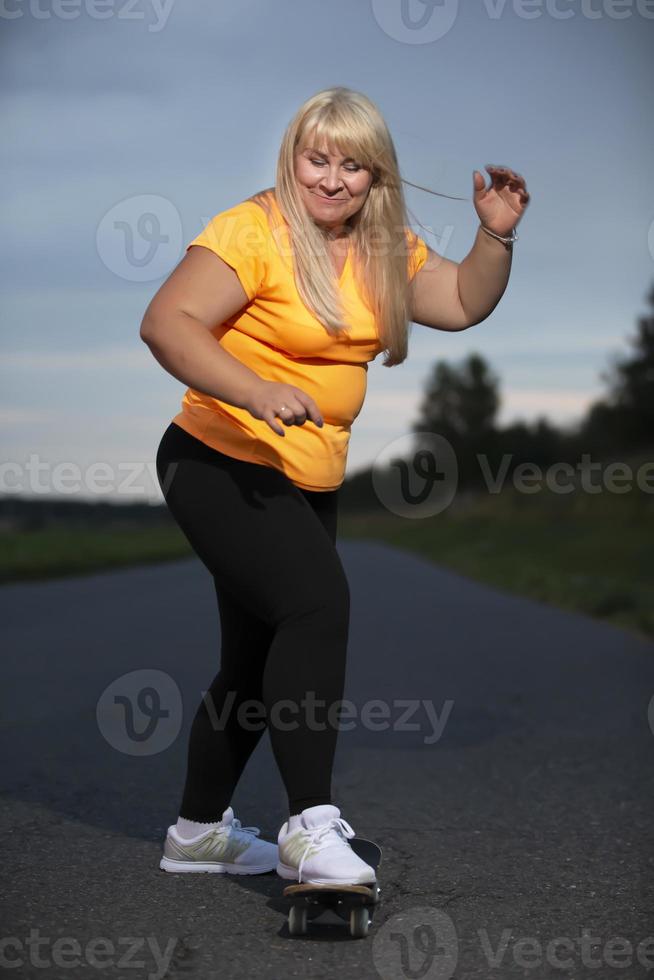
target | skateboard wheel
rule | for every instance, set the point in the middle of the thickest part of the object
(359, 922)
(297, 921)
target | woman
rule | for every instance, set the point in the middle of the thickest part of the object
(274, 313)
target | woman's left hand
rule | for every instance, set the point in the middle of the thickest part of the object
(501, 205)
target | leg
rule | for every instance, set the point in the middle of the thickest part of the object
(218, 752)
(219, 748)
(284, 604)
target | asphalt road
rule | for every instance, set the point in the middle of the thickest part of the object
(510, 785)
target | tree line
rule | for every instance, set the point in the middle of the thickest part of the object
(461, 404)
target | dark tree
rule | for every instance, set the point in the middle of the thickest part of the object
(461, 405)
(625, 418)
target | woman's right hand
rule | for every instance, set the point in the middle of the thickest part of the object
(293, 406)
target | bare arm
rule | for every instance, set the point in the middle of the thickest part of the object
(450, 295)
(483, 277)
(201, 293)
(434, 290)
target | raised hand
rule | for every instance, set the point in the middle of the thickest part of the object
(501, 205)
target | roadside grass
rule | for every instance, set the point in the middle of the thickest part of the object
(589, 553)
(585, 552)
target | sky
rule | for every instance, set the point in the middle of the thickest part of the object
(111, 111)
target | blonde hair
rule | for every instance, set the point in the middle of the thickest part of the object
(350, 123)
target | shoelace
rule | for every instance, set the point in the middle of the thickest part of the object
(318, 835)
(236, 824)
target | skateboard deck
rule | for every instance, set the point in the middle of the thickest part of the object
(353, 903)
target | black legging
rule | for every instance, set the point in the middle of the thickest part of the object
(284, 605)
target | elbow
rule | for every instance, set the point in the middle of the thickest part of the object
(146, 333)
(472, 321)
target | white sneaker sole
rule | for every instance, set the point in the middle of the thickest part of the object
(291, 874)
(215, 867)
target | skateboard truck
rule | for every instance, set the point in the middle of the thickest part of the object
(353, 903)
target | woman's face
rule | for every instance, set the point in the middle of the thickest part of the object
(333, 187)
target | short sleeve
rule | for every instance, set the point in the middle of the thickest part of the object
(418, 252)
(239, 236)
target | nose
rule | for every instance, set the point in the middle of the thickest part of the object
(331, 181)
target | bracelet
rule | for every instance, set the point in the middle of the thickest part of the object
(508, 242)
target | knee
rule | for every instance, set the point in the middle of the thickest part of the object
(324, 601)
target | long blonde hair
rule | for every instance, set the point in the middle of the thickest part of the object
(351, 123)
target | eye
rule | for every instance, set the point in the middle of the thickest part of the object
(353, 169)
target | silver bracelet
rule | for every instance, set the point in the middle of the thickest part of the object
(506, 241)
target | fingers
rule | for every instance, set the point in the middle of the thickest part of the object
(269, 417)
(504, 176)
(310, 408)
(295, 410)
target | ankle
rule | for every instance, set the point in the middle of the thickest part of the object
(193, 828)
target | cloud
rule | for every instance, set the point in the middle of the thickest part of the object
(558, 405)
(16, 417)
(103, 359)
(384, 409)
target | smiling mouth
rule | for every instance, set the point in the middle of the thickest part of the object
(335, 199)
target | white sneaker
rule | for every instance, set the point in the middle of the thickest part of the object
(316, 850)
(230, 849)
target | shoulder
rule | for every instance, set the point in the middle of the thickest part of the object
(241, 226)
(417, 251)
(239, 235)
(242, 213)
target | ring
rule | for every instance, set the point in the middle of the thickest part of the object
(282, 409)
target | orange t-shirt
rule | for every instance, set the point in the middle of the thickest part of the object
(279, 339)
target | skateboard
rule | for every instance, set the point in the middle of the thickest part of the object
(353, 903)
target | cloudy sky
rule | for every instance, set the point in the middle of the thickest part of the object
(118, 110)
